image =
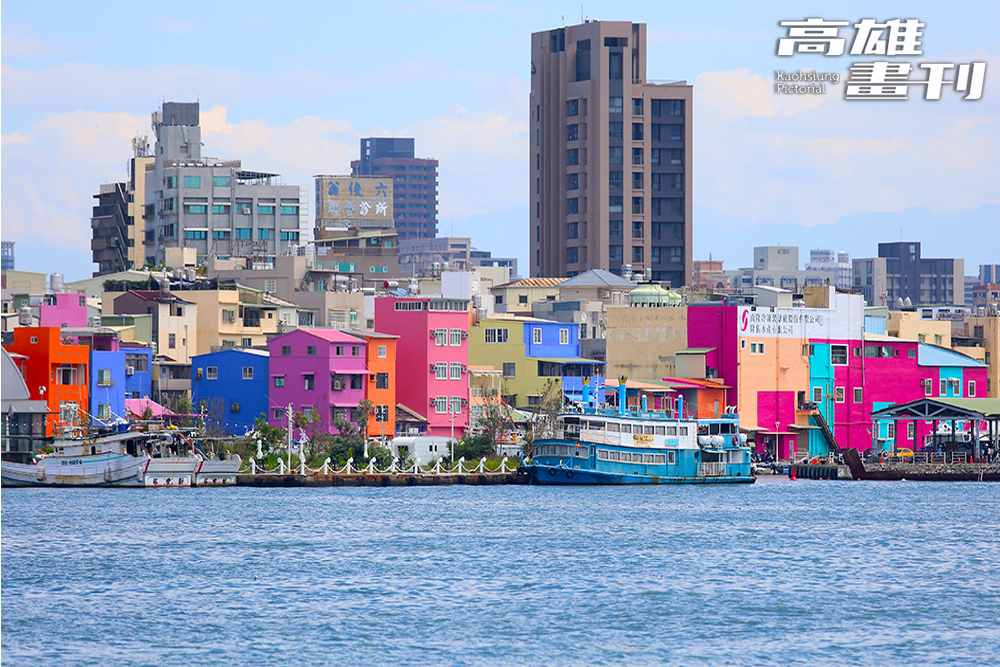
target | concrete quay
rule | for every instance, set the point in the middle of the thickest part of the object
(382, 479)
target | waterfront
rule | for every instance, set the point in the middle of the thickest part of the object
(778, 572)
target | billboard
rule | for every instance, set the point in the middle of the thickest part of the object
(357, 202)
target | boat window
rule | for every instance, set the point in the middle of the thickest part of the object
(626, 457)
(580, 452)
(613, 427)
(563, 450)
(648, 430)
(659, 430)
(602, 455)
(713, 429)
(649, 458)
(614, 456)
(683, 430)
(626, 428)
(658, 459)
(671, 430)
(597, 426)
(671, 458)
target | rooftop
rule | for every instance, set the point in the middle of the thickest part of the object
(595, 278)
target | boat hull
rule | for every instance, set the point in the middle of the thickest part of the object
(562, 475)
(108, 469)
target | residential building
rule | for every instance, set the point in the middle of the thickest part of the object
(909, 325)
(583, 301)
(643, 343)
(870, 279)
(834, 267)
(910, 279)
(380, 386)
(54, 372)
(979, 337)
(107, 385)
(230, 315)
(530, 353)
(989, 274)
(414, 181)
(778, 267)
(24, 282)
(316, 371)
(366, 256)
(986, 297)
(61, 310)
(517, 297)
(229, 388)
(117, 221)
(432, 353)
(214, 206)
(610, 156)
(428, 256)
(174, 324)
(138, 369)
(171, 383)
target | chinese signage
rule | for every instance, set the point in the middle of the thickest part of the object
(358, 202)
(804, 323)
(880, 78)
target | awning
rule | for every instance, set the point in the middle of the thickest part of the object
(137, 407)
(569, 360)
(803, 426)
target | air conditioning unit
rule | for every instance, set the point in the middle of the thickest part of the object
(464, 368)
(130, 370)
(433, 333)
(465, 334)
(433, 368)
(338, 385)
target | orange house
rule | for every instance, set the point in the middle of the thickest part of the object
(381, 386)
(54, 372)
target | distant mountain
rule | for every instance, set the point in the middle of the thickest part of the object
(973, 235)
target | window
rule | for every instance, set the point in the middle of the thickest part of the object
(615, 204)
(616, 129)
(838, 355)
(456, 405)
(383, 351)
(454, 371)
(455, 337)
(573, 254)
(572, 206)
(583, 60)
(637, 132)
(220, 181)
(355, 350)
(292, 236)
(311, 350)
(286, 350)
(196, 208)
(104, 411)
(637, 229)
(220, 234)
(615, 253)
(615, 154)
(536, 335)
(309, 382)
(615, 65)
(943, 389)
(638, 181)
(509, 370)
(573, 181)
(615, 179)
(564, 336)
(242, 233)
(277, 413)
(890, 430)
(265, 209)
(172, 340)
(192, 181)
(838, 394)
(572, 132)
(911, 431)
(573, 107)
(859, 395)
(340, 350)
(495, 336)
(234, 407)
(614, 104)
(441, 405)
(381, 380)
(279, 380)
(263, 234)
(356, 381)
(440, 371)
(441, 337)
(289, 210)
(972, 388)
(248, 372)
(211, 372)
(637, 156)
(638, 206)
(637, 106)
(676, 156)
(573, 157)
(104, 377)
(522, 298)
(614, 228)
(638, 253)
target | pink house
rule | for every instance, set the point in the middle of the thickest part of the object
(316, 370)
(432, 357)
(63, 310)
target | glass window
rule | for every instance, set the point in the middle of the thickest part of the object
(309, 382)
(615, 253)
(572, 132)
(616, 129)
(838, 355)
(536, 335)
(572, 181)
(441, 405)
(286, 350)
(455, 337)
(572, 107)
(279, 380)
(614, 104)
(638, 205)
(509, 370)
(221, 181)
(242, 233)
(637, 229)
(615, 65)
(192, 181)
(381, 380)
(637, 156)
(383, 351)
(456, 405)
(615, 204)
(564, 336)
(638, 252)
(289, 210)
(441, 371)
(248, 372)
(637, 103)
(859, 395)
(572, 255)
(614, 228)
(637, 180)
(637, 131)
(454, 371)
(615, 179)
(573, 157)
(572, 206)
(583, 60)
(441, 337)
(615, 154)
(264, 209)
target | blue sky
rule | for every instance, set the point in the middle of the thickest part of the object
(292, 91)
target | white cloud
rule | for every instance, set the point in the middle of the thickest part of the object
(21, 42)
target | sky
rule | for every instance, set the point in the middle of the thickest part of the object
(293, 90)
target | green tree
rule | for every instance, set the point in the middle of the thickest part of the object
(542, 422)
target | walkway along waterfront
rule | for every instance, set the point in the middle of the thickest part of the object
(472, 473)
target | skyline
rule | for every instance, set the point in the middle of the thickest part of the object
(301, 104)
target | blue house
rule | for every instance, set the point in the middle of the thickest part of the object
(230, 388)
(138, 370)
(107, 385)
(556, 347)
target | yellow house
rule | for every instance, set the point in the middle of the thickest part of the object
(907, 325)
(233, 316)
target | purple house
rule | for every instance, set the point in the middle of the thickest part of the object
(316, 370)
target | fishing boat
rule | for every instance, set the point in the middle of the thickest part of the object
(594, 445)
(123, 457)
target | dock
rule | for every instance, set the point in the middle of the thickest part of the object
(382, 479)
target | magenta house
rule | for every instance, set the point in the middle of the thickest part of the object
(63, 310)
(316, 370)
(432, 356)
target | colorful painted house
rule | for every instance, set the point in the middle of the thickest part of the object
(322, 371)
(432, 357)
(380, 388)
(530, 352)
(62, 310)
(230, 389)
(55, 372)
(107, 385)
(174, 331)
(138, 369)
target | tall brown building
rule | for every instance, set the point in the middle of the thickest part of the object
(610, 156)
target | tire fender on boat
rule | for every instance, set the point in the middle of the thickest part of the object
(569, 474)
(40, 474)
(139, 474)
(552, 471)
(107, 474)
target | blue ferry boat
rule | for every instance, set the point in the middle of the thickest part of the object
(596, 445)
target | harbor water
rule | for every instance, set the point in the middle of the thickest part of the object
(780, 572)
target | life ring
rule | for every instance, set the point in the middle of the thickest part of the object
(552, 471)
(883, 456)
(569, 474)
(736, 440)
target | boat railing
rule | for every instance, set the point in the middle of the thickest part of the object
(713, 469)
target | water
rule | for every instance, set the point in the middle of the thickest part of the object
(793, 573)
